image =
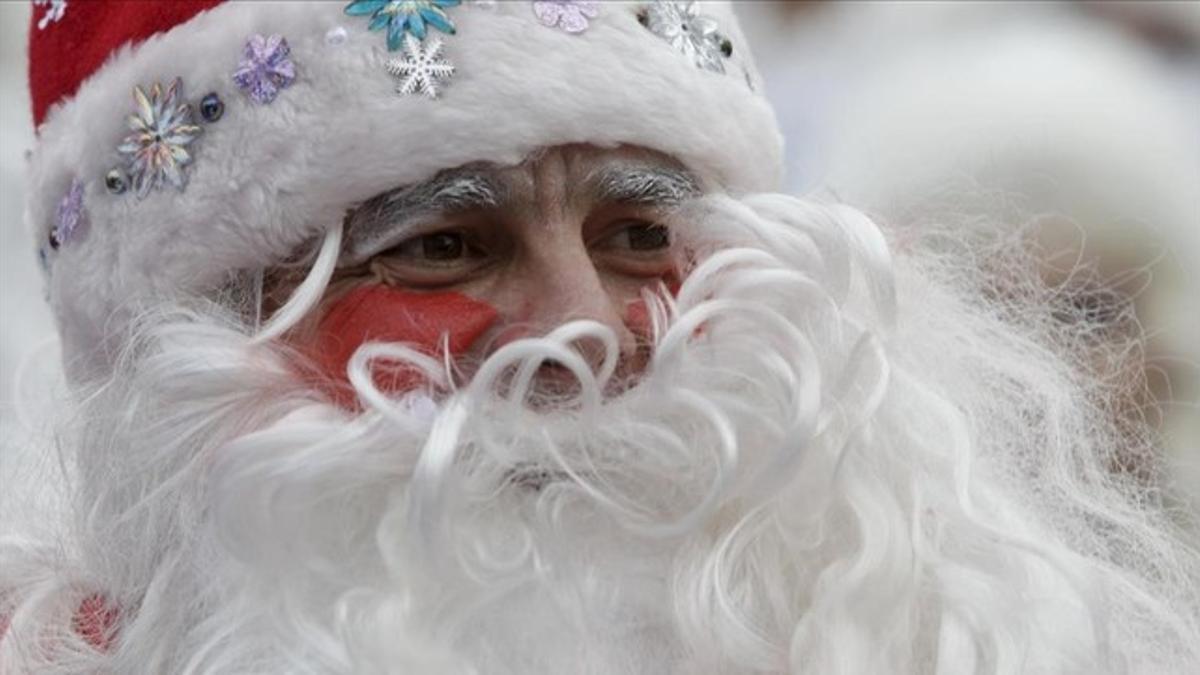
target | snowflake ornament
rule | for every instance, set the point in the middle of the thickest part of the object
(266, 67)
(687, 30)
(162, 128)
(69, 216)
(420, 68)
(404, 17)
(55, 9)
(569, 15)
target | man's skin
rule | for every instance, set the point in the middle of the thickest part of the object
(480, 256)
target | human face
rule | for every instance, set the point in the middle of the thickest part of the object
(480, 256)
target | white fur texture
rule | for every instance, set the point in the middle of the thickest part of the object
(268, 177)
(837, 463)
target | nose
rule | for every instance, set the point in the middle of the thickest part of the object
(560, 283)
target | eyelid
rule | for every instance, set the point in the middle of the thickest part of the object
(409, 269)
(620, 225)
(362, 245)
(389, 218)
(470, 247)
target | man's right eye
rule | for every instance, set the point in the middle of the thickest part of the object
(438, 247)
(437, 259)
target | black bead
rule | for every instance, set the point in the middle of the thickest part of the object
(643, 17)
(115, 181)
(211, 108)
(54, 243)
(726, 47)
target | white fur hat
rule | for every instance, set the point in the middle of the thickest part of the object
(139, 199)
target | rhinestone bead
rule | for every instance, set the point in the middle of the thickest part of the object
(54, 242)
(336, 36)
(211, 108)
(115, 181)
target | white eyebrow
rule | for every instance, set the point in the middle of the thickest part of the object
(642, 184)
(387, 219)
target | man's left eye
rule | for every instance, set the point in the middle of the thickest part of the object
(644, 236)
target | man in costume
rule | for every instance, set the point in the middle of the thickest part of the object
(428, 336)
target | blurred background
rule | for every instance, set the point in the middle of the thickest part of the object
(1076, 122)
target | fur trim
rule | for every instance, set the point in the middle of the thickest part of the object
(267, 178)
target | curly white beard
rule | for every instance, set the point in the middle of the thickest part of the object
(836, 463)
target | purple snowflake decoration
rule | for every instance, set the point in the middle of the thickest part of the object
(569, 15)
(69, 216)
(265, 68)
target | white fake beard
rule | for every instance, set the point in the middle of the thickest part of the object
(811, 476)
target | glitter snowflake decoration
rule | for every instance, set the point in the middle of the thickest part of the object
(687, 30)
(55, 9)
(266, 67)
(69, 216)
(162, 129)
(420, 68)
(570, 15)
(403, 17)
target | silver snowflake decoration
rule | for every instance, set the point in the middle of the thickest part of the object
(55, 9)
(421, 67)
(687, 30)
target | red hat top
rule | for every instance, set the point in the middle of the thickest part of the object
(70, 39)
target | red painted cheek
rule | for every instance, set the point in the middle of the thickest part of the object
(379, 313)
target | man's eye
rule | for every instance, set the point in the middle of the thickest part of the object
(437, 247)
(646, 237)
(443, 246)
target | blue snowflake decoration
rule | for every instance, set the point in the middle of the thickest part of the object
(404, 16)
